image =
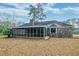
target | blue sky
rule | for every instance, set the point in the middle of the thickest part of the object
(54, 11)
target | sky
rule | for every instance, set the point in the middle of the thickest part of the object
(53, 11)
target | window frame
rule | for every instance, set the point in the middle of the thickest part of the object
(55, 30)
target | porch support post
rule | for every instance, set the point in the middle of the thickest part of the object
(56, 29)
(44, 31)
(40, 32)
(50, 31)
(56, 32)
(36, 32)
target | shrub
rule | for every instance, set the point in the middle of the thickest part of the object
(7, 31)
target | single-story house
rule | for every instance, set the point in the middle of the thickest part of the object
(43, 29)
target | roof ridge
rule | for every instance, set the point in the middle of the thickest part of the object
(46, 23)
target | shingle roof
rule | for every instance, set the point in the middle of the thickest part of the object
(45, 23)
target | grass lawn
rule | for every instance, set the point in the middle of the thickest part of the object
(39, 47)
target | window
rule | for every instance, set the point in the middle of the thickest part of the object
(53, 30)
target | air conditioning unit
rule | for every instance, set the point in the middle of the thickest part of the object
(46, 37)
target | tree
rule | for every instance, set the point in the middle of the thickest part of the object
(36, 13)
(41, 15)
(1, 28)
(6, 28)
(33, 13)
(7, 31)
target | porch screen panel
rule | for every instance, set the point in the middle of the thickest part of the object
(41, 32)
(21, 32)
(28, 32)
(38, 34)
(35, 32)
(14, 32)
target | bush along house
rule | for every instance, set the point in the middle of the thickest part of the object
(43, 29)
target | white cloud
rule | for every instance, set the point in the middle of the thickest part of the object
(62, 10)
(74, 10)
(47, 7)
(12, 11)
(20, 8)
(57, 11)
(67, 8)
(23, 5)
(71, 9)
(53, 10)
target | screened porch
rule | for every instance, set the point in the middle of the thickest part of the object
(30, 32)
